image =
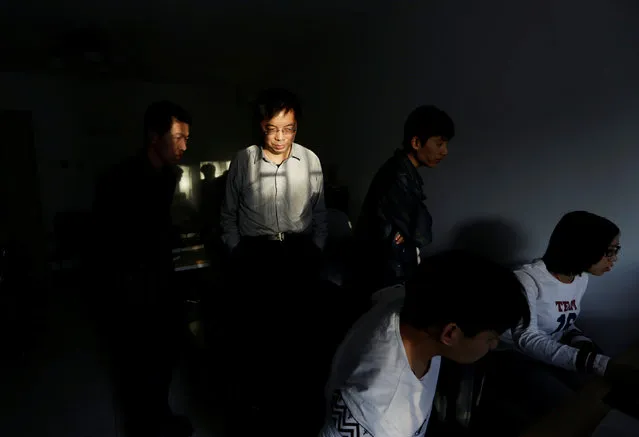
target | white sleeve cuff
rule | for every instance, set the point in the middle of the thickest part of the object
(600, 364)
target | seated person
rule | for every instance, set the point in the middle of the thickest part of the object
(385, 372)
(551, 357)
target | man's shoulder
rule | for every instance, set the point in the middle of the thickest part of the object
(373, 360)
(372, 343)
(305, 153)
(393, 295)
(121, 170)
(392, 169)
(249, 152)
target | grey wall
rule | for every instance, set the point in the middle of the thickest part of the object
(545, 98)
(543, 92)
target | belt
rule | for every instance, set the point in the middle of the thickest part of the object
(280, 236)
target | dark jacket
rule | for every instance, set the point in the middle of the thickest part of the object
(133, 232)
(394, 204)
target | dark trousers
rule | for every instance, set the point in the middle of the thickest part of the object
(273, 309)
(142, 331)
(294, 259)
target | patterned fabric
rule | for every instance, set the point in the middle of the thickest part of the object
(344, 422)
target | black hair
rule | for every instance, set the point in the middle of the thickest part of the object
(579, 241)
(158, 117)
(207, 168)
(425, 122)
(272, 101)
(466, 289)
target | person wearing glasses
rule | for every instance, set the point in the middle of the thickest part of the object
(274, 200)
(552, 357)
(274, 225)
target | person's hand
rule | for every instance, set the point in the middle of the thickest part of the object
(399, 239)
(622, 374)
(235, 251)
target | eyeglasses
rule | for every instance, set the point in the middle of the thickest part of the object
(612, 251)
(287, 131)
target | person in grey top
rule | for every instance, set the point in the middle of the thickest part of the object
(275, 189)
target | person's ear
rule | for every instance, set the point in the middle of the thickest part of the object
(153, 137)
(415, 143)
(450, 334)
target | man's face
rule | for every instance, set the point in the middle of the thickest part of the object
(279, 133)
(430, 153)
(171, 146)
(607, 262)
(467, 350)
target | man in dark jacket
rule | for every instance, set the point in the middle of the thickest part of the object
(395, 224)
(140, 308)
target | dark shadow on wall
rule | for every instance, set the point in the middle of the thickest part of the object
(496, 238)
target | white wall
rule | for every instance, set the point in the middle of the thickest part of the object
(93, 124)
(545, 98)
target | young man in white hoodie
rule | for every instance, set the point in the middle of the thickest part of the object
(384, 373)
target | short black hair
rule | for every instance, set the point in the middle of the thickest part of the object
(159, 117)
(467, 289)
(207, 168)
(579, 241)
(272, 101)
(425, 122)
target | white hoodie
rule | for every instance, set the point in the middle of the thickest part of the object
(554, 308)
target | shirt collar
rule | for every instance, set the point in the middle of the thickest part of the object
(296, 152)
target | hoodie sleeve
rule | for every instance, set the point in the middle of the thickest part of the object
(540, 346)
